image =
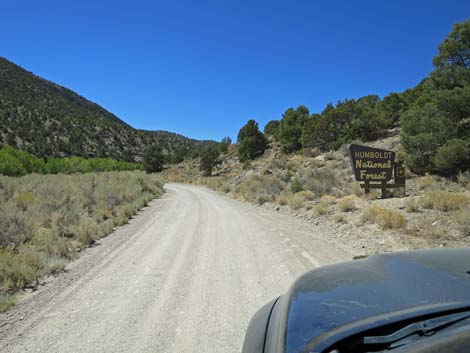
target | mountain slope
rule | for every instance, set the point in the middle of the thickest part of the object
(50, 120)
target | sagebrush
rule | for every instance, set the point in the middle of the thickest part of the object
(45, 219)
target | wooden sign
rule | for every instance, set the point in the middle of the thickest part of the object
(371, 164)
(374, 167)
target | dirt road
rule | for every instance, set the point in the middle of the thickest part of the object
(185, 275)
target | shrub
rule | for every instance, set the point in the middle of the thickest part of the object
(385, 218)
(14, 273)
(462, 218)
(15, 226)
(339, 218)
(328, 199)
(307, 195)
(11, 166)
(347, 204)
(48, 242)
(430, 228)
(322, 208)
(319, 181)
(283, 197)
(295, 185)
(296, 201)
(444, 201)
(426, 182)
(257, 188)
(55, 265)
(24, 200)
(6, 301)
(412, 205)
(18, 163)
(464, 179)
(45, 218)
(355, 189)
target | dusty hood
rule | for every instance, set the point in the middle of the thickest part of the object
(334, 301)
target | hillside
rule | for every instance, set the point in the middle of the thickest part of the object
(50, 120)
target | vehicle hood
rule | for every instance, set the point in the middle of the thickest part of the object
(328, 301)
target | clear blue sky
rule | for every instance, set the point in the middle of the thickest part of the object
(203, 68)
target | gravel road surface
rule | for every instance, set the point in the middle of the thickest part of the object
(185, 275)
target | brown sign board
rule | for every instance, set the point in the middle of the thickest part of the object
(371, 164)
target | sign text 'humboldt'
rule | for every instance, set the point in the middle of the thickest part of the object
(371, 164)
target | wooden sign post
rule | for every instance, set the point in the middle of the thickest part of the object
(374, 167)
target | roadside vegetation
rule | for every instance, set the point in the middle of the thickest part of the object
(15, 162)
(46, 219)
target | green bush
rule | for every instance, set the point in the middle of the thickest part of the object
(11, 166)
(295, 185)
(18, 163)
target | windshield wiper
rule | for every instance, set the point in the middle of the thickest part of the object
(425, 327)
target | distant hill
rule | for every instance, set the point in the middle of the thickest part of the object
(46, 119)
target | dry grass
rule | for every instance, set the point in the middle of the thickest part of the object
(322, 208)
(45, 219)
(321, 181)
(430, 228)
(307, 195)
(217, 183)
(385, 218)
(339, 218)
(283, 197)
(347, 204)
(355, 189)
(412, 205)
(462, 218)
(426, 182)
(444, 201)
(463, 179)
(260, 189)
(328, 199)
(6, 301)
(296, 201)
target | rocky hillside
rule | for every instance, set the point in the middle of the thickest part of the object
(321, 188)
(50, 120)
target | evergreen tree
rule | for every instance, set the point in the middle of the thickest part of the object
(290, 128)
(272, 128)
(209, 159)
(436, 129)
(154, 159)
(251, 142)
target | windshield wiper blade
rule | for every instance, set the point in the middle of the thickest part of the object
(422, 327)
